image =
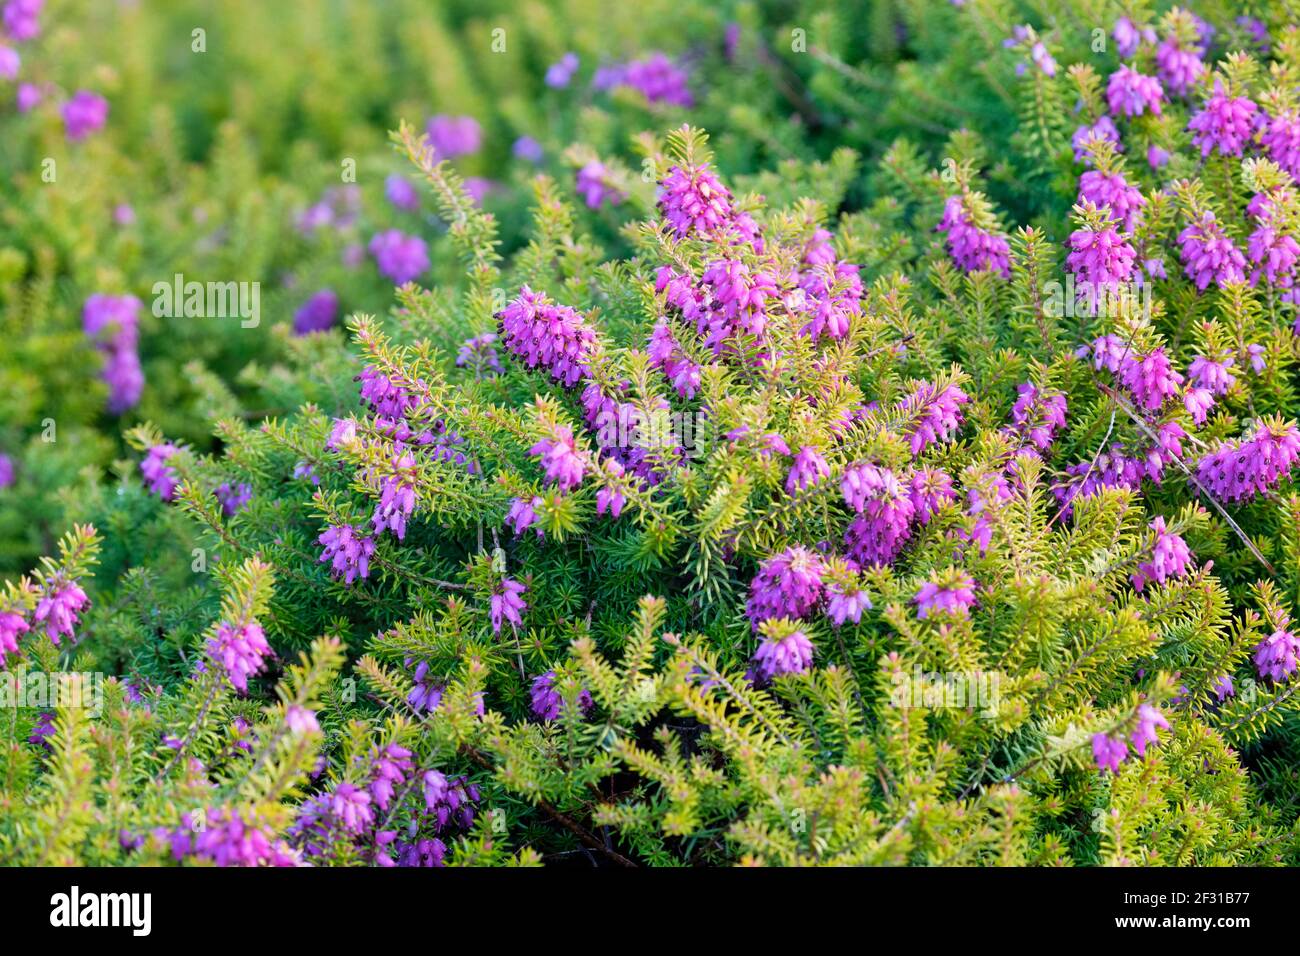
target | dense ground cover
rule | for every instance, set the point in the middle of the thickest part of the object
(768, 433)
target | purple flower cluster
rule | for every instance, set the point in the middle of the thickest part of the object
(452, 136)
(1275, 656)
(347, 814)
(931, 490)
(1130, 93)
(347, 551)
(545, 699)
(613, 421)
(560, 73)
(932, 415)
(1213, 376)
(396, 496)
(385, 397)
(399, 257)
(1110, 751)
(846, 604)
(1225, 123)
(610, 497)
(551, 336)
(807, 469)
(1150, 378)
(984, 492)
(954, 595)
(233, 497)
(1116, 468)
(12, 624)
(339, 208)
(240, 649)
(523, 515)
(593, 183)
(529, 149)
(777, 655)
(657, 78)
(971, 247)
(506, 605)
(1104, 129)
(401, 193)
(479, 354)
(1113, 192)
(832, 291)
(1129, 37)
(693, 201)
(57, 610)
(112, 323)
(1209, 255)
(666, 354)
(1179, 67)
(738, 297)
(1170, 558)
(1023, 36)
(787, 585)
(318, 313)
(22, 19)
(1273, 252)
(160, 477)
(1281, 138)
(1036, 416)
(560, 459)
(450, 799)
(885, 513)
(1102, 260)
(228, 839)
(1240, 470)
(85, 113)
(732, 297)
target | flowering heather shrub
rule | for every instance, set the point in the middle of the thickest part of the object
(778, 506)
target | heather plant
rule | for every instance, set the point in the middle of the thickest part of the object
(145, 159)
(738, 508)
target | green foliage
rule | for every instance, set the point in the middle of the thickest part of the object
(947, 738)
